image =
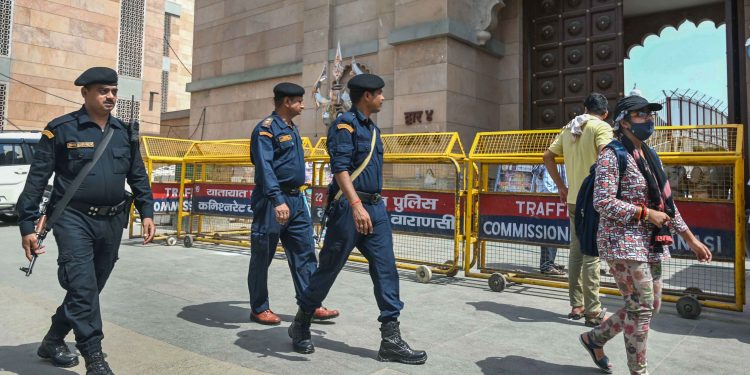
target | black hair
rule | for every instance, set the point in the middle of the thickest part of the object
(596, 104)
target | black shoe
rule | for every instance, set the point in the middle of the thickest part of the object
(299, 332)
(96, 365)
(57, 352)
(395, 349)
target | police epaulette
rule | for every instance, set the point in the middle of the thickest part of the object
(60, 120)
(267, 122)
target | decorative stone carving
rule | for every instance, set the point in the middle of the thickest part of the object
(484, 18)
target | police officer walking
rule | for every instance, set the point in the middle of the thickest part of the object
(88, 233)
(356, 154)
(278, 205)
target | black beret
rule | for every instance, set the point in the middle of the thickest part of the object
(365, 82)
(634, 103)
(285, 89)
(98, 74)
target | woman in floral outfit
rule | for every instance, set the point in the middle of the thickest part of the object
(635, 232)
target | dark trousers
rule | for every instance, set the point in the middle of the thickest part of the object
(88, 248)
(547, 258)
(340, 240)
(297, 238)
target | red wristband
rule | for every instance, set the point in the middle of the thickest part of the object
(352, 204)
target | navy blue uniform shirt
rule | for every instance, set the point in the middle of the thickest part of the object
(67, 144)
(279, 159)
(348, 143)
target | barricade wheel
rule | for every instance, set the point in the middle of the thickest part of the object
(688, 307)
(188, 241)
(497, 282)
(424, 274)
(171, 241)
(693, 291)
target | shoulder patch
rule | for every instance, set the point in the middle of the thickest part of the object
(48, 134)
(266, 134)
(285, 138)
(345, 126)
(267, 122)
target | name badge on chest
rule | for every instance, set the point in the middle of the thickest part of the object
(80, 144)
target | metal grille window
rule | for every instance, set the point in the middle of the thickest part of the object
(6, 21)
(3, 97)
(167, 32)
(123, 109)
(164, 90)
(130, 56)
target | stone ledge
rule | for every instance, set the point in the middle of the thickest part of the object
(276, 71)
(357, 49)
(173, 115)
(446, 27)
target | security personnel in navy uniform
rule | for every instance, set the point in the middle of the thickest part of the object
(279, 208)
(358, 218)
(89, 231)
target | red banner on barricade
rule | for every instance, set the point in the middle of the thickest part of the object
(543, 220)
(167, 197)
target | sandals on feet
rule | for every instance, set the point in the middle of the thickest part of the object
(593, 321)
(603, 363)
(577, 316)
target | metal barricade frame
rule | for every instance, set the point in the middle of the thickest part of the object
(686, 146)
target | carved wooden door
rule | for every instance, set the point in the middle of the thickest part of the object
(575, 48)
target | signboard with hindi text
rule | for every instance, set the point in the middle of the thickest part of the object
(409, 211)
(222, 199)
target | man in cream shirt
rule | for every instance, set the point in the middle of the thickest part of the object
(579, 144)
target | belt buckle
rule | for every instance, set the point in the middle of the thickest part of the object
(375, 198)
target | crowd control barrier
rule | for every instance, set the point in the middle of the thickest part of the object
(209, 190)
(423, 182)
(164, 162)
(512, 223)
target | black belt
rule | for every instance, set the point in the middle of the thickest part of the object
(291, 191)
(374, 198)
(92, 210)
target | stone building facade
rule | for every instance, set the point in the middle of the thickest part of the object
(47, 44)
(427, 51)
(449, 65)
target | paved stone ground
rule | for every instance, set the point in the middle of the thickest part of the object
(172, 310)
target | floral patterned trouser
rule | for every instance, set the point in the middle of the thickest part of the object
(640, 284)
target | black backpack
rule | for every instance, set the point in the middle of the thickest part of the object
(586, 217)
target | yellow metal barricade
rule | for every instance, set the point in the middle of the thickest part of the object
(164, 161)
(202, 189)
(511, 223)
(423, 183)
(223, 183)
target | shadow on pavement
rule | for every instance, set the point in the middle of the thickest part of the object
(224, 314)
(520, 365)
(521, 313)
(22, 359)
(275, 342)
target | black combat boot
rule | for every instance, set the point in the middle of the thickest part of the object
(57, 352)
(299, 331)
(96, 365)
(395, 349)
